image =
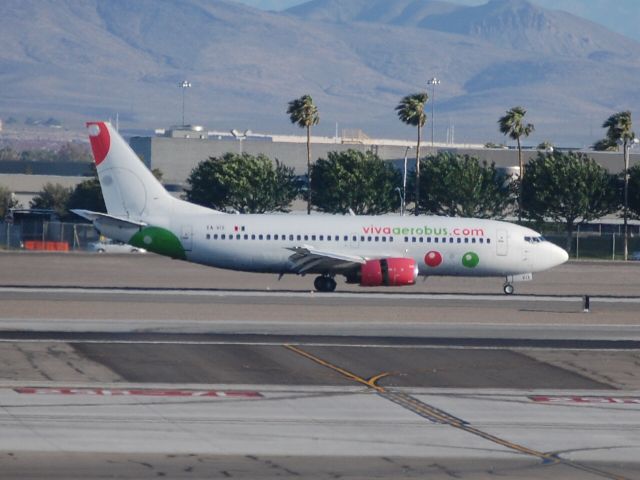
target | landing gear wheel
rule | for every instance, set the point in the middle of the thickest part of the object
(508, 289)
(324, 283)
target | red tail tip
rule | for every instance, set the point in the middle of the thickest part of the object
(100, 140)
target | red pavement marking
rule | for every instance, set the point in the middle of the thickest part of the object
(151, 392)
(582, 399)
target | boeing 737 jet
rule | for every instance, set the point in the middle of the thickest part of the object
(366, 250)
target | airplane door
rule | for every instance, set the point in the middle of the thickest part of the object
(502, 246)
(186, 237)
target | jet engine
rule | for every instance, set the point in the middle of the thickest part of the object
(390, 272)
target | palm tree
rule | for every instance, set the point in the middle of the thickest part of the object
(411, 111)
(512, 124)
(304, 113)
(619, 131)
(546, 146)
(619, 128)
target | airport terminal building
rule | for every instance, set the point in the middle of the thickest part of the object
(178, 150)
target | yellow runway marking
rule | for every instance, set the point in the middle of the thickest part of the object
(335, 368)
(373, 381)
(438, 416)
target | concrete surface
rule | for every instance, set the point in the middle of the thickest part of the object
(312, 410)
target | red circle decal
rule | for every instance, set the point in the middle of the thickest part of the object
(433, 259)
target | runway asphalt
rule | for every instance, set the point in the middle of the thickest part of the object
(152, 271)
(136, 366)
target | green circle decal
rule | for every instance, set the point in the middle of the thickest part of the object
(470, 260)
(159, 240)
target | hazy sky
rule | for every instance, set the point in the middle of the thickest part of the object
(622, 16)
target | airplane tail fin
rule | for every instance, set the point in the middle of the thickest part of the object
(129, 189)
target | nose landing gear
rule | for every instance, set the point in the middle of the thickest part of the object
(508, 289)
(324, 283)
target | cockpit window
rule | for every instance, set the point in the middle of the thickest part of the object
(538, 239)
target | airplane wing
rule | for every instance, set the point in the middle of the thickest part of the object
(307, 258)
(105, 218)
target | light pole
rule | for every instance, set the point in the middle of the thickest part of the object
(404, 180)
(183, 85)
(240, 136)
(627, 144)
(433, 82)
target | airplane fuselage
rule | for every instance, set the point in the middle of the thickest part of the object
(370, 250)
(439, 245)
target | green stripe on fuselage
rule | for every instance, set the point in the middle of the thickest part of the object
(159, 240)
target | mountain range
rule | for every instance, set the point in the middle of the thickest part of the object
(77, 60)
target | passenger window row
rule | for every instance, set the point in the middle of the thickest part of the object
(306, 238)
(276, 236)
(446, 240)
(345, 238)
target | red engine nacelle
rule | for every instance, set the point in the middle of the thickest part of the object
(390, 272)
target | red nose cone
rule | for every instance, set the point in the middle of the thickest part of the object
(433, 259)
(100, 140)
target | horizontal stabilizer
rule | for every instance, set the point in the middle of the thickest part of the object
(108, 219)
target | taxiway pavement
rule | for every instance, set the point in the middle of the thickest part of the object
(140, 367)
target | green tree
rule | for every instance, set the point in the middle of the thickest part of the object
(634, 191)
(411, 111)
(545, 146)
(512, 125)
(620, 132)
(244, 183)
(7, 201)
(463, 186)
(568, 187)
(159, 174)
(304, 113)
(87, 195)
(362, 182)
(54, 197)
(9, 154)
(605, 145)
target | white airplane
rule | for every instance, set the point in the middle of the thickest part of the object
(369, 250)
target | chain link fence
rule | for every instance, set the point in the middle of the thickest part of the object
(603, 241)
(605, 246)
(47, 235)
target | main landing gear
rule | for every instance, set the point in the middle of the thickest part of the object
(324, 283)
(508, 288)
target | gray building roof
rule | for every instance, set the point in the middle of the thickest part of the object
(25, 186)
(176, 157)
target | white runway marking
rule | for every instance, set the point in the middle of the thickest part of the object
(303, 344)
(140, 392)
(320, 296)
(583, 399)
